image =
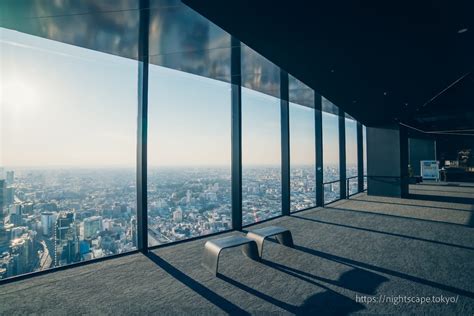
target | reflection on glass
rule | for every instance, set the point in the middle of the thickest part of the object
(261, 156)
(259, 74)
(182, 39)
(106, 26)
(189, 179)
(351, 154)
(330, 156)
(68, 136)
(300, 93)
(302, 157)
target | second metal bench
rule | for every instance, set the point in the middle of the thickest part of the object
(282, 235)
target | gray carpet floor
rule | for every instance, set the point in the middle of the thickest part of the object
(346, 254)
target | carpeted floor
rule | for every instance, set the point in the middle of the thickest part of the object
(346, 255)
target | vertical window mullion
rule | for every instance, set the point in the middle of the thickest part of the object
(285, 143)
(360, 159)
(142, 132)
(236, 134)
(342, 154)
(318, 121)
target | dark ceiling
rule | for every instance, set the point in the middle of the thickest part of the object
(381, 61)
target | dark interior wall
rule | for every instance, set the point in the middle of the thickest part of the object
(383, 151)
(420, 149)
(386, 151)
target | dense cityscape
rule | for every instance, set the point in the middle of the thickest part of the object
(54, 217)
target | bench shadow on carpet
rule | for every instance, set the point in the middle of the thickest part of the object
(357, 279)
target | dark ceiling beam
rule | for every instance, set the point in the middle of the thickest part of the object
(379, 61)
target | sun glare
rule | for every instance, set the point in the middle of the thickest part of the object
(19, 97)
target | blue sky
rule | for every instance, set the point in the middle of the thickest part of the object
(302, 135)
(63, 105)
(351, 141)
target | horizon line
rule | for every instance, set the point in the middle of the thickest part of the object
(11, 167)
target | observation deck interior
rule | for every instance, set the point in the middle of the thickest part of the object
(362, 247)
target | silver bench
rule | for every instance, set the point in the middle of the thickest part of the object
(213, 248)
(282, 234)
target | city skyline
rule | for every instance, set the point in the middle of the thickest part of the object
(54, 217)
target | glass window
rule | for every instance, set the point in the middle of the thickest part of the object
(261, 156)
(68, 154)
(189, 167)
(351, 154)
(261, 138)
(331, 175)
(302, 157)
(302, 146)
(189, 130)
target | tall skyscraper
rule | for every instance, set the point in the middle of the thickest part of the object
(66, 240)
(16, 213)
(178, 215)
(71, 249)
(63, 224)
(133, 230)
(10, 177)
(22, 250)
(92, 226)
(4, 234)
(9, 197)
(47, 221)
(2, 201)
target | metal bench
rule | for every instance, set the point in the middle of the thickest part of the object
(213, 248)
(282, 235)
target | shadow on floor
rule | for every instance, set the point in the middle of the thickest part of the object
(439, 198)
(457, 185)
(327, 302)
(441, 191)
(385, 233)
(396, 216)
(413, 205)
(197, 287)
(355, 264)
(270, 299)
(357, 280)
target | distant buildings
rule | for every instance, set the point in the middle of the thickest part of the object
(55, 217)
(21, 255)
(178, 215)
(91, 226)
